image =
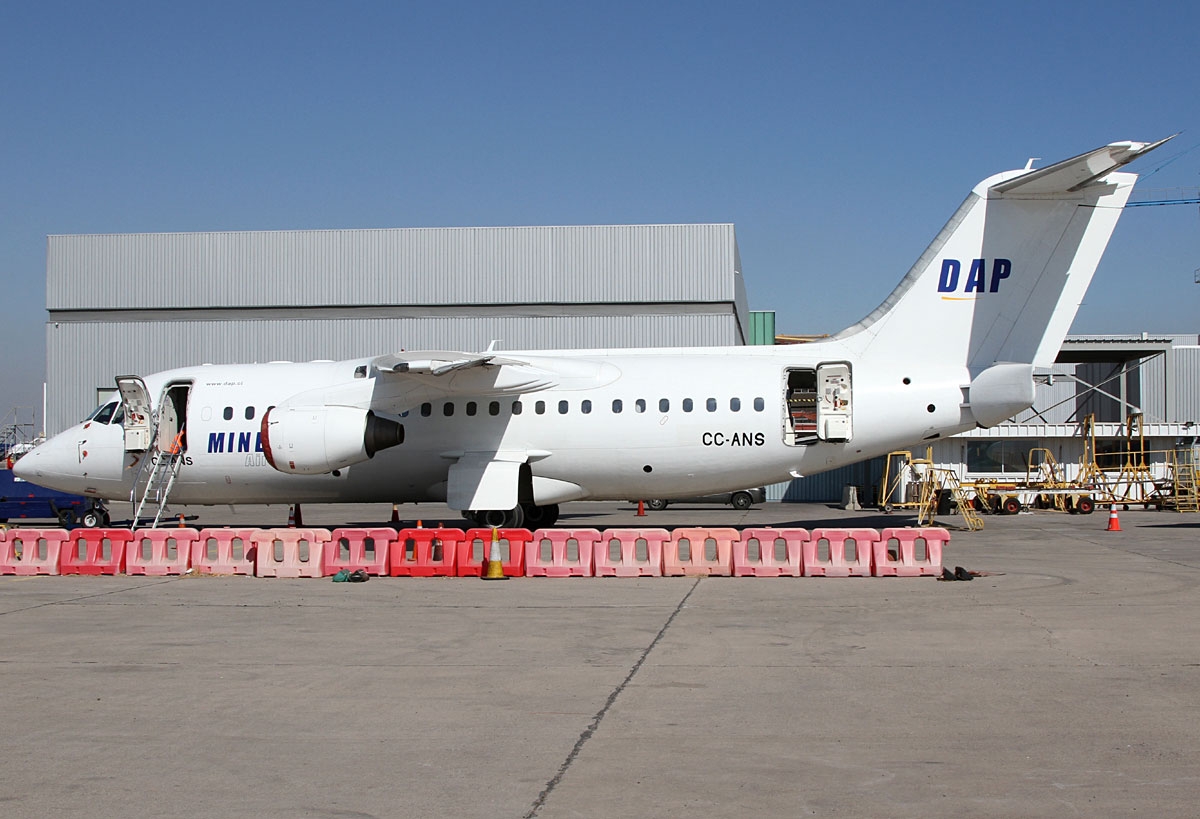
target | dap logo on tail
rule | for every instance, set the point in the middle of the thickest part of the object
(977, 279)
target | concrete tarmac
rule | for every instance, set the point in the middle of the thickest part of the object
(1065, 682)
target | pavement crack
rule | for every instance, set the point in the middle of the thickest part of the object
(540, 802)
(88, 596)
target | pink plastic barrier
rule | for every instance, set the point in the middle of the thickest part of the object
(768, 562)
(289, 552)
(630, 552)
(559, 563)
(425, 552)
(814, 564)
(31, 551)
(95, 551)
(232, 551)
(473, 550)
(160, 552)
(699, 552)
(897, 552)
(373, 561)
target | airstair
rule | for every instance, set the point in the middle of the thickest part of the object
(163, 446)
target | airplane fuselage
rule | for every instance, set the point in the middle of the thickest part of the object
(639, 423)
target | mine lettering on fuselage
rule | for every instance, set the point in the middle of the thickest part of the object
(234, 442)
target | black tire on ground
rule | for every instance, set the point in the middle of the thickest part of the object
(1011, 506)
(741, 500)
(91, 519)
(1085, 506)
(66, 517)
(656, 505)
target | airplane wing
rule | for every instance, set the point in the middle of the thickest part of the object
(437, 362)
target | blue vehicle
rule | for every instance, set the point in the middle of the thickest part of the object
(21, 500)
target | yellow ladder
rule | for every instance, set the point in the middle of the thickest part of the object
(931, 490)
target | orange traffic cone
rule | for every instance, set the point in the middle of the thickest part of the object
(641, 513)
(1114, 522)
(181, 523)
(395, 513)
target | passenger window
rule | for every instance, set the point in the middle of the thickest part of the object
(426, 410)
(687, 405)
(585, 406)
(562, 407)
(494, 408)
(249, 413)
(640, 405)
(711, 405)
(617, 405)
(735, 404)
(517, 407)
(664, 405)
(448, 409)
(228, 414)
(759, 405)
(471, 407)
(540, 407)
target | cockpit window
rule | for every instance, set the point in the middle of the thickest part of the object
(104, 415)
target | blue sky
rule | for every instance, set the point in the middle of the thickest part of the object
(838, 138)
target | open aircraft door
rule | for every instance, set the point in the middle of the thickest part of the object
(135, 401)
(835, 405)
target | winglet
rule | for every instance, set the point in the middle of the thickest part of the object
(1078, 171)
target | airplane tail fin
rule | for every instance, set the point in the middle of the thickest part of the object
(1004, 278)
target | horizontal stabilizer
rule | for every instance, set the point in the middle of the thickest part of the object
(1077, 172)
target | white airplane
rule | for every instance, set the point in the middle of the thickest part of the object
(506, 437)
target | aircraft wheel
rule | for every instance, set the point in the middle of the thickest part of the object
(105, 519)
(489, 518)
(66, 518)
(537, 517)
(92, 518)
(656, 505)
(741, 500)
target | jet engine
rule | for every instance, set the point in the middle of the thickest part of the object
(316, 440)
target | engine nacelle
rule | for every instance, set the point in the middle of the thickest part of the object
(316, 440)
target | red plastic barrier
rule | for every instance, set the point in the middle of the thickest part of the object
(902, 559)
(836, 565)
(473, 549)
(559, 563)
(769, 563)
(279, 552)
(32, 551)
(627, 562)
(150, 551)
(233, 551)
(433, 552)
(698, 561)
(382, 539)
(95, 551)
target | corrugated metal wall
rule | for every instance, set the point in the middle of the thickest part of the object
(85, 355)
(403, 266)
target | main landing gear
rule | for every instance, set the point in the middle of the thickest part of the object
(526, 515)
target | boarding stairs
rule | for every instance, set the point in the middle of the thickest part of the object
(164, 463)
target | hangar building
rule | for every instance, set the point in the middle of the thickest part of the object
(138, 303)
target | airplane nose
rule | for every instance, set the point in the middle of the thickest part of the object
(43, 464)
